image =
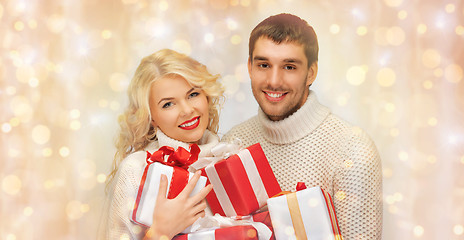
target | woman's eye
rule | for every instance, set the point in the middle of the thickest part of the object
(168, 104)
(194, 94)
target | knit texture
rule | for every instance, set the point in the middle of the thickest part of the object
(117, 212)
(318, 148)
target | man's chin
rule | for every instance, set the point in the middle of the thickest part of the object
(273, 116)
(276, 114)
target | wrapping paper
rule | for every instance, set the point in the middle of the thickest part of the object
(262, 217)
(309, 212)
(241, 232)
(219, 152)
(149, 186)
(241, 183)
(265, 218)
(218, 221)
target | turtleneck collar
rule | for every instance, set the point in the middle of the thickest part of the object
(207, 141)
(297, 125)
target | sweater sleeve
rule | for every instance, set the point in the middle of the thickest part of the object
(120, 201)
(358, 188)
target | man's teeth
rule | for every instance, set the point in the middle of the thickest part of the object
(274, 95)
(189, 123)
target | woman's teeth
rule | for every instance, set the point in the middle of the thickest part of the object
(189, 123)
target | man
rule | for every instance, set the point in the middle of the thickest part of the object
(302, 139)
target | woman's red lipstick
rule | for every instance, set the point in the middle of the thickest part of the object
(190, 124)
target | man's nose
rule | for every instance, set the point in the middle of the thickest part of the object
(274, 79)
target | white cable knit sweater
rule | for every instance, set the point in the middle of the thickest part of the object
(117, 211)
(316, 147)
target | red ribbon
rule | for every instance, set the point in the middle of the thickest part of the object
(300, 186)
(179, 158)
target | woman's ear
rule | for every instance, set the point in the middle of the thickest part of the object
(153, 123)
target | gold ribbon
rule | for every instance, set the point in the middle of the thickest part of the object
(295, 214)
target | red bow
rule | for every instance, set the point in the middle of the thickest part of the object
(299, 186)
(178, 158)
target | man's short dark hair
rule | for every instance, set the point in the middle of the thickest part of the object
(290, 28)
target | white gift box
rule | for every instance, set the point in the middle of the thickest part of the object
(305, 214)
(148, 191)
(239, 232)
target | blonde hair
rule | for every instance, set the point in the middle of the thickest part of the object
(136, 130)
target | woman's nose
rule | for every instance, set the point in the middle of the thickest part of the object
(186, 108)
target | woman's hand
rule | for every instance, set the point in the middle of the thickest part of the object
(171, 216)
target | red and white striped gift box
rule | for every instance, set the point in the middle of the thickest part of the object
(241, 232)
(149, 186)
(241, 183)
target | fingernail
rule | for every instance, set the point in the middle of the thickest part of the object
(163, 177)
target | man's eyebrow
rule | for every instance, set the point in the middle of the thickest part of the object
(293, 60)
(260, 58)
(287, 60)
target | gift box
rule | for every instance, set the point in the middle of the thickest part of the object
(308, 213)
(241, 183)
(177, 176)
(240, 232)
(260, 217)
(264, 217)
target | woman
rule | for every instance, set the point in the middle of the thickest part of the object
(173, 101)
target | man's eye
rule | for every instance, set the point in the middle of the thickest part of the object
(263, 65)
(168, 104)
(194, 94)
(289, 67)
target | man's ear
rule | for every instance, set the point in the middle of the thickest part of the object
(312, 73)
(249, 66)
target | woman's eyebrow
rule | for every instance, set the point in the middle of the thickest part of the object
(165, 99)
(171, 98)
(191, 90)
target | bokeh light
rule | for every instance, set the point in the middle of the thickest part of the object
(11, 184)
(334, 28)
(6, 127)
(74, 210)
(418, 231)
(402, 14)
(431, 58)
(458, 230)
(64, 151)
(386, 77)
(28, 211)
(356, 75)
(41, 134)
(393, 3)
(361, 30)
(453, 73)
(395, 36)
